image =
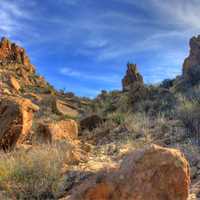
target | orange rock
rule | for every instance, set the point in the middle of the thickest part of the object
(60, 130)
(14, 83)
(152, 173)
(10, 53)
(16, 116)
(65, 108)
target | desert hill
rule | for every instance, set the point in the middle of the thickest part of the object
(141, 143)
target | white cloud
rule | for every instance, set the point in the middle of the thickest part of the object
(184, 13)
(97, 77)
(10, 17)
(113, 35)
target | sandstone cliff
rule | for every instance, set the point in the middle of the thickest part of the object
(191, 66)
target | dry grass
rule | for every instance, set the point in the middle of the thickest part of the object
(137, 123)
(189, 113)
(34, 173)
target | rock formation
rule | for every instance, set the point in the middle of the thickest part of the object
(12, 53)
(152, 173)
(191, 66)
(16, 115)
(55, 131)
(16, 71)
(23, 93)
(132, 76)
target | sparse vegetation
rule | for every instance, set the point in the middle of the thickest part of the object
(49, 150)
(188, 112)
(34, 173)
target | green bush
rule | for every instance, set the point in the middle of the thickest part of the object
(118, 118)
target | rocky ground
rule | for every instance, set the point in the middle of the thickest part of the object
(140, 143)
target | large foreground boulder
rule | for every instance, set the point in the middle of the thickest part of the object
(57, 131)
(16, 115)
(153, 173)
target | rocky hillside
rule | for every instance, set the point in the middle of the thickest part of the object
(141, 143)
(17, 74)
(27, 99)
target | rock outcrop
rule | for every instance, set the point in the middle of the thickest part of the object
(57, 131)
(58, 106)
(152, 173)
(12, 53)
(16, 71)
(132, 76)
(16, 116)
(191, 66)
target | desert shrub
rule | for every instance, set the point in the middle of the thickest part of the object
(158, 100)
(118, 118)
(167, 83)
(102, 131)
(137, 93)
(66, 117)
(33, 174)
(106, 103)
(122, 104)
(189, 113)
(137, 123)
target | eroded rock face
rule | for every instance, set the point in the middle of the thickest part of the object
(132, 76)
(191, 66)
(17, 74)
(16, 115)
(10, 52)
(55, 131)
(152, 173)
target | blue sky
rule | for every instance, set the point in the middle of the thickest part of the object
(84, 45)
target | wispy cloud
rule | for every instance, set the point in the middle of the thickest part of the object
(10, 17)
(112, 78)
(153, 33)
(184, 13)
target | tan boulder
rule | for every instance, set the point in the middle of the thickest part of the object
(152, 173)
(57, 106)
(16, 115)
(14, 83)
(55, 131)
(67, 109)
